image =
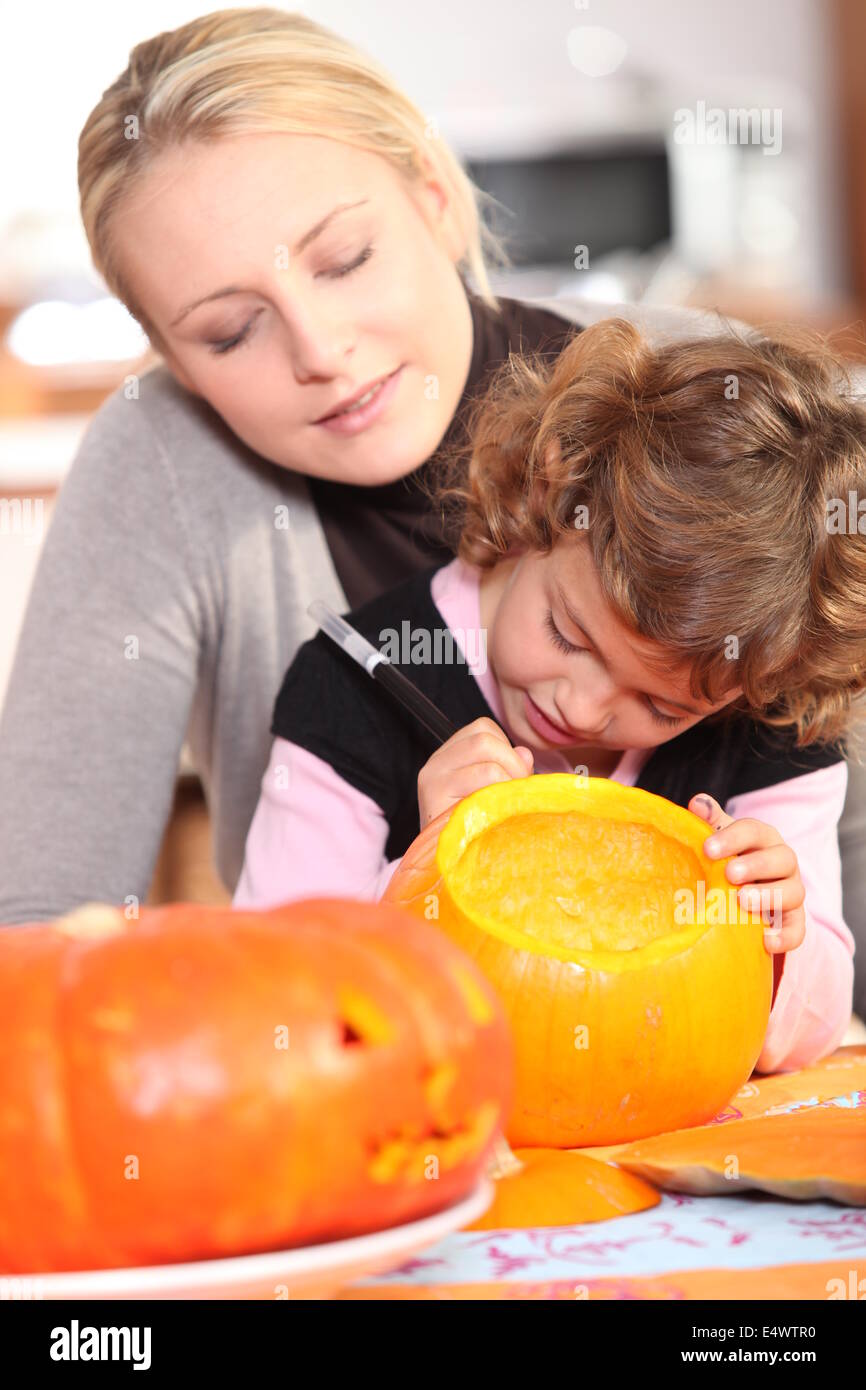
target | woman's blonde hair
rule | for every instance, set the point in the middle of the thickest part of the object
(244, 71)
(709, 477)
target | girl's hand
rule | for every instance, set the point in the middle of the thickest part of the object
(765, 868)
(475, 756)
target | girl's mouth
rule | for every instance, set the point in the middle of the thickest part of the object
(538, 720)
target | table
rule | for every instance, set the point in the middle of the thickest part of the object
(747, 1245)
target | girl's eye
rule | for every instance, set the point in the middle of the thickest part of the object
(339, 271)
(663, 718)
(565, 646)
(557, 637)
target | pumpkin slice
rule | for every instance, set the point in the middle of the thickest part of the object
(808, 1154)
(555, 1188)
(637, 990)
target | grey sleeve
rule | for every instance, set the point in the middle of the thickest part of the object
(102, 680)
(852, 848)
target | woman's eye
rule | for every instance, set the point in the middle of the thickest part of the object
(339, 271)
(227, 344)
(557, 637)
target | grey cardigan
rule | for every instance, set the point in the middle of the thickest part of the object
(169, 599)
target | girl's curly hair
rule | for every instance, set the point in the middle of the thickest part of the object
(714, 478)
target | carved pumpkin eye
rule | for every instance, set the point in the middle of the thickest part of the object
(361, 1019)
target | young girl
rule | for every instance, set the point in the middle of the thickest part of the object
(659, 581)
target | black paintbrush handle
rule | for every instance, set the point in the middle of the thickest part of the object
(414, 700)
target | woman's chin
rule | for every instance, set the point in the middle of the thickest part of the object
(360, 467)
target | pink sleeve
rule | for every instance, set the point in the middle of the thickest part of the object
(312, 835)
(812, 1007)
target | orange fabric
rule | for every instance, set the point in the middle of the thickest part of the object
(772, 1281)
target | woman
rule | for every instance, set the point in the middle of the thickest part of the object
(292, 236)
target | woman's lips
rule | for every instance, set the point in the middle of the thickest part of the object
(353, 421)
(539, 721)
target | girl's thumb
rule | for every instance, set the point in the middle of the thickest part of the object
(526, 755)
(709, 809)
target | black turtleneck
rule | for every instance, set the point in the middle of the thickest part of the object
(379, 536)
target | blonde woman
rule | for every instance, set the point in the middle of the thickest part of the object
(295, 239)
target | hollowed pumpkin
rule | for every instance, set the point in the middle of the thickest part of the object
(202, 1082)
(631, 1014)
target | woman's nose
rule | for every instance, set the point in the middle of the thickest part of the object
(320, 345)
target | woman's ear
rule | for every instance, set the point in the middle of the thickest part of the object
(435, 207)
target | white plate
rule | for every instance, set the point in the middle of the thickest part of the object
(315, 1271)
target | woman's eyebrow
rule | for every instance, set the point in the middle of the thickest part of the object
(320, 226)
(300, 246)
(665, 699)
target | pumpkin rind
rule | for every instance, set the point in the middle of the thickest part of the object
(206, 1082)
(557, 1188)
(673, 1028)
(814, 1152)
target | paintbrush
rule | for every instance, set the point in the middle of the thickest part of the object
(377, 665)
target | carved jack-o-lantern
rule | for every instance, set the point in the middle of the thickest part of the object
(202, 1082)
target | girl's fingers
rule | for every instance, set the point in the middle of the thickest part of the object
(773, 900)
(762, 865)
(788, 935)
(465, 780)
(732, 836)
(478, 726)
(483, 741)
(741, 835)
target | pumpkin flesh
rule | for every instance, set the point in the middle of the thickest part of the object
(629, 1017)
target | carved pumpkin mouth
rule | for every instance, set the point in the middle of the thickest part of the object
(406, 1152)
(410, 1151)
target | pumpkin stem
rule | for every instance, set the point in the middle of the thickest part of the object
(504, 1161)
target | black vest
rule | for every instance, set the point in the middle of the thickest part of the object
(330, 706)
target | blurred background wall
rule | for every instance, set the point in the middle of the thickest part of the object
(665, 150)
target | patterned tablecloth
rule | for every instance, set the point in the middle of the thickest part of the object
(748, 1245)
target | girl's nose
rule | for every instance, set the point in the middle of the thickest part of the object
(588, 711)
